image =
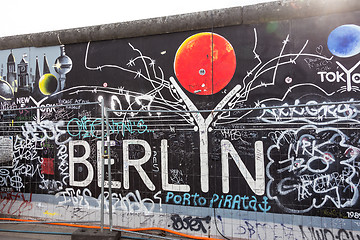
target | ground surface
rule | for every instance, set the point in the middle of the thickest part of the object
(52, 228)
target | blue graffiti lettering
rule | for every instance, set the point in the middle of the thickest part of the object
(222, 201)
(85, 128)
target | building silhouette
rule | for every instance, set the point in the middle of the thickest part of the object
(11, 72)
(23, 76)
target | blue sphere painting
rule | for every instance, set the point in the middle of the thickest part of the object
(344, 41)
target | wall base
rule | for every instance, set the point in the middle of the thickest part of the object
(88, 234)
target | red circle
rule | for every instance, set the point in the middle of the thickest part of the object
(205, 63)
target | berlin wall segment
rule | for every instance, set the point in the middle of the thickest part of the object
(278, 157)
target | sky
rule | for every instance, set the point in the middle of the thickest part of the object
(25, 16)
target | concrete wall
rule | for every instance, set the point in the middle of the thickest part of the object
(238, 123)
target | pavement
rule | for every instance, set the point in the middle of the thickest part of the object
(46, 228)
(34, 227)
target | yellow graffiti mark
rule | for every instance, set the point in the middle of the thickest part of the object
(49, 213)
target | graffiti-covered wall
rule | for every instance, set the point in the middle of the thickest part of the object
(242, 131)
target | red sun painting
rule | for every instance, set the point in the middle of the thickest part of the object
(205, 63)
